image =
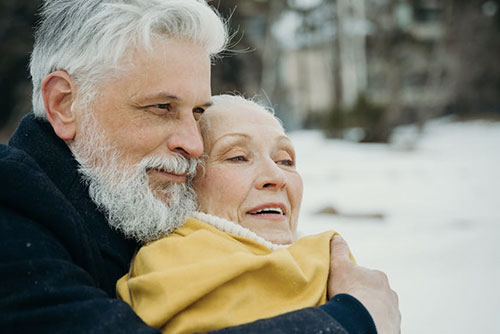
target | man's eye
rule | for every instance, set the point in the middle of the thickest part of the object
(160, 109)
(238, 158)
(165, 106)
(198, 112)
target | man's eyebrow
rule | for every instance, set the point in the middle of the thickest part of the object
(167, 96)
(156, 96)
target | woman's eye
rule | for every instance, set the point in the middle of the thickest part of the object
(286, 162)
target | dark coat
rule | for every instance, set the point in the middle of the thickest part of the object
(59, 259)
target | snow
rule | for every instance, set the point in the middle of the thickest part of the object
(438, 236)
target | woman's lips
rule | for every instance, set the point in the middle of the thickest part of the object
(272, 211)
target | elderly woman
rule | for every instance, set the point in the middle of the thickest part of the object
(237, 259)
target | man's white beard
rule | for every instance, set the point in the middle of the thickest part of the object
(123, 192)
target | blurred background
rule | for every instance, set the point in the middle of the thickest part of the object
(394, 108)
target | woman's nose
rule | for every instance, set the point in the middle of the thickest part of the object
(270, 176)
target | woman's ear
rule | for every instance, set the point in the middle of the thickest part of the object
(59, 92)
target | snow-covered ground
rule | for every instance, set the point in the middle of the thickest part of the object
(437, 199)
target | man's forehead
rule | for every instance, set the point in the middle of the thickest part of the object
(178, 72)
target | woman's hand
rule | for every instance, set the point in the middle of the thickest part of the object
(370, 287)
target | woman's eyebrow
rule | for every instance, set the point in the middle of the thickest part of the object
(286, 141)
(237, 137)
(285, 138)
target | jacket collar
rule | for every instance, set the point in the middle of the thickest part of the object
(37, 138)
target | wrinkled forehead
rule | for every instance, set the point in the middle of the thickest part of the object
(236, 114)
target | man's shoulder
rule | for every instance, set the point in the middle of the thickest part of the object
(20, 173)
(13, 159)
(27, 190)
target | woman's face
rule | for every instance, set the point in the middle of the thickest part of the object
(250, 176)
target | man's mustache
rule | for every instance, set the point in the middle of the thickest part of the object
(176, 164)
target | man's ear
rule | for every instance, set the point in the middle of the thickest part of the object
(59, 92)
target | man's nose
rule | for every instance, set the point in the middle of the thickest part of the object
(270, 176)
(186, 139)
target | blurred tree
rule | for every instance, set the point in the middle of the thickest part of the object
(474, 36)
(227, 74)
(407, 73)
(408, 63)
(250, 67)
(387, 44)
(17, 18)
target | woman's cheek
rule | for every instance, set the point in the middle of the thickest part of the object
(295, 190)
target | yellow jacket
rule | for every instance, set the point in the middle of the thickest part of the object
(202, 278)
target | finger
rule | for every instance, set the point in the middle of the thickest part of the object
(339, 249)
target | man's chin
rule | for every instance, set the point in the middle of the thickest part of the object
(161, 192)
(162, 196)
(160, 187)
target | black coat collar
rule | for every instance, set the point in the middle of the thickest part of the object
(37, 138)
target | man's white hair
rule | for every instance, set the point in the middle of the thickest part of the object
(88, 39)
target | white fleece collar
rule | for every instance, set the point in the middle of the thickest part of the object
(233, 228)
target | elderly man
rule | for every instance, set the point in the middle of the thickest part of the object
(104, 164)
